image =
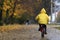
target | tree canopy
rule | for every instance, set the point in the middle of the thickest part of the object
(16, 8)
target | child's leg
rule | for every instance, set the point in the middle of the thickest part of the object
(39, 27)
(45, 29)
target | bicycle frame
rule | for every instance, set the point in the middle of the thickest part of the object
(42, 31)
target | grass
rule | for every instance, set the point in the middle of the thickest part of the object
(16, 27)
(8, 27)
(57, 28)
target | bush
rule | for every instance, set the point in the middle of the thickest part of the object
(23, 18)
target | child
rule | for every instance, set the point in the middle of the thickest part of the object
(42, 19)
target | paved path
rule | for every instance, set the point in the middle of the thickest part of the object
(53, 34)
(30, 32)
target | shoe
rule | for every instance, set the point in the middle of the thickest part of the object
(45, 32)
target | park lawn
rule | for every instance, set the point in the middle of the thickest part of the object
(16, 27)
(9, 27)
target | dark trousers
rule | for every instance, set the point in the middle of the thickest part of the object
(42, 25)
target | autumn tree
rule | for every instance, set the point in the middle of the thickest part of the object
(16, 9)
(8, 10)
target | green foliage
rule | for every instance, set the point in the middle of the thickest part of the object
(1, 6)
(1, 2)
(24, 17)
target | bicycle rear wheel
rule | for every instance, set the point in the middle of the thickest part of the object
(42, 33)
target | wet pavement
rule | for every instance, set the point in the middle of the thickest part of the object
(30, 32)
(53, 34)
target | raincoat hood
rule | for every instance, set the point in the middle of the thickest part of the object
(43, 10)
(42, 17)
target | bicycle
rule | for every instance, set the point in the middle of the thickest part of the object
(42, 29)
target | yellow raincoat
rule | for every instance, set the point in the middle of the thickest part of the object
(42, 17)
